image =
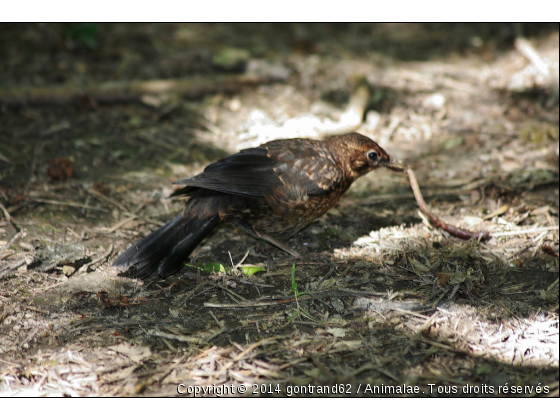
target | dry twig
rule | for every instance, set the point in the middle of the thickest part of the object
(436, 221)
(103, 257)
(128, 91)
(67, 203)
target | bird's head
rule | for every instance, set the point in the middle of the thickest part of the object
(358, 154)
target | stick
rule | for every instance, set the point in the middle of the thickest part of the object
(117, 325)
(434, 220)
(67, 203)
(183, 338)
(9, 217)
(255, 345)
(36, 309)
(522, 232)
(130, 91)
(6, 214)
(524, 47)
(11, 268)
(9, 244)
(240, 305)
(101, 258)
(100, 196)
(10, 363)
(118, 225)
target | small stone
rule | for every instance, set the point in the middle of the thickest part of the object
(68, 270)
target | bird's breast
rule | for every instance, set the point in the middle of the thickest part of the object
(292, 209)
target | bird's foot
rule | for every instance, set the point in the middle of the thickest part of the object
(280, 245)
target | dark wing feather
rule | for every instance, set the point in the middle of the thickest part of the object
(249, 172)
(257, 171)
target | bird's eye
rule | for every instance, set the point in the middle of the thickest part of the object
(372, 155)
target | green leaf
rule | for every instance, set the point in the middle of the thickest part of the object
(249, 271)
(220, 268)
(294, 284)
(209, 268)
(214, 268)
(308, 315)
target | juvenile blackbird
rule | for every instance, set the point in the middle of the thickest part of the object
(271, 192)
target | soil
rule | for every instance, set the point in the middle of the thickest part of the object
(381, 303)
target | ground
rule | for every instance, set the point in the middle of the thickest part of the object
(380, 298)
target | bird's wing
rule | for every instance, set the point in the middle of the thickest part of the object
(257, 171)
(249, 172)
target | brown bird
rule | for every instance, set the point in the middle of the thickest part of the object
(271, 192)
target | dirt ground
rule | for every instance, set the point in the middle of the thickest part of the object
(385, 304)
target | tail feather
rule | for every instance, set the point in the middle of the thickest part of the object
(171, 243)
(149, 246)
(174, 260)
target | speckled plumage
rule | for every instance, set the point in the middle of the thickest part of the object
(271, 192)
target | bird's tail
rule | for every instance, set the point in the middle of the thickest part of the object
(171, 244)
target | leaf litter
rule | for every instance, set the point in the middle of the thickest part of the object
(381, 296)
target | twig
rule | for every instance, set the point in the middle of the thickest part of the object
(118, 325)
(100, 196)
(9, 217)
(186, 338)
(255, 345)
(241, 261)
(553, 284)
(522, 232)
(10, 363)
(36, 309)
(182, 299)
(436, 221)
(15, 238)
(524, 47)
(11, 268)
(118, 225)
(412, 313)
(44, 289)
(67, 203)
(241, 298)
(5, 159)
(241, 305)
(128, 91)
(182, 338)
(394, 197)
(208, 339)
(6, 214)
(84, 268)
(257, 285)
(215, 319)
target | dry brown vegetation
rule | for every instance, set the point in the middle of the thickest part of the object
(383, 297)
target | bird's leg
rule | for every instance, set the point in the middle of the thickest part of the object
(279, 244)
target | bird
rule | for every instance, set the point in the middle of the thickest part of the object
(271, 192)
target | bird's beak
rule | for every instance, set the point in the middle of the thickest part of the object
(395, 165)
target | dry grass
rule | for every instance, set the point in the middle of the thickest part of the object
(389, 300)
